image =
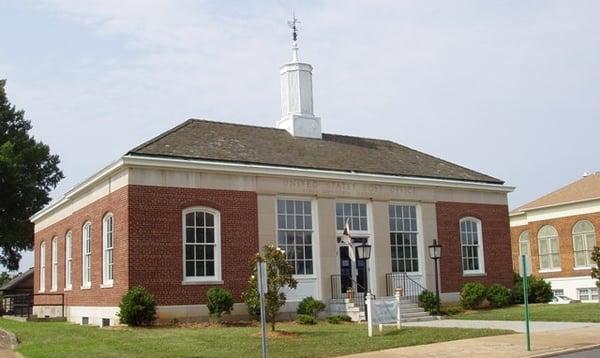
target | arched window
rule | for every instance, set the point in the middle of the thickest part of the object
(54, 278)
(42, 267)
(584, 240)
(524, 248)
(86, 245)
(548, 248)
(107, 250)
(472, 245)
(68, 260)
(201, 244)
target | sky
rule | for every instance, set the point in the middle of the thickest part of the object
(508, 88)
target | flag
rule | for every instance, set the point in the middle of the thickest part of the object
(348, 240)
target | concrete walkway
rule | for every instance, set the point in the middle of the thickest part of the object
(547, 343)
(517, 326)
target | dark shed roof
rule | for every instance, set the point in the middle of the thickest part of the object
(227, 142)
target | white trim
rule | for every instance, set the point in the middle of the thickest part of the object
(217, 277)
(68, 260)
(550, 270)
(106, 282)
(141, 161)
(480, 250)
(54, 263)
(420, 238)
(84, 283)
(42, 254)
(549, 246)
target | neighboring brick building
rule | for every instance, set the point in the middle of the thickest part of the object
(559, 231)
(187, 211)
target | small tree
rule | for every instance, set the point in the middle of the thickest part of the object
(137, 307)
(279, 275)
(595, 270)
(220, 302)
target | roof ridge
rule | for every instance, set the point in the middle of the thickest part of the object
(160, 136)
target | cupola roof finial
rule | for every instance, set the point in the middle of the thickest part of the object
(294, 26)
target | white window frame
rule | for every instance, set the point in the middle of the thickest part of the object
(217, 277)
(354, 232)
(68, 260)
(54, 261)
(86, 256)
(524, 239)
(313, 230)
(43, 266)
(419, 231)
(589, 293)
(480, 257)
(540, 239)
(583, 234)
(107, 251)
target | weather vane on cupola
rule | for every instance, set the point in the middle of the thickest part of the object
(293, 25)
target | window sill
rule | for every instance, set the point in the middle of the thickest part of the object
(213, 282)
(67, 289)
(85, 287)
(106, 285)
(305, 277)
(550, 270)
(55, 290)
(474, 274)
(582, 268)
(41, 291)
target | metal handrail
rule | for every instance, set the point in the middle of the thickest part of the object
(411, 288)
(358, 298)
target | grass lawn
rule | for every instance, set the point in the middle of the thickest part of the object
(578, 312)
(59, 339)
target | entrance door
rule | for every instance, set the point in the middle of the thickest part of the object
(348, 273)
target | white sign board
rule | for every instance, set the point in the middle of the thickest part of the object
(527, 267)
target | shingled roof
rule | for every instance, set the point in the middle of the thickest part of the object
(227, 142)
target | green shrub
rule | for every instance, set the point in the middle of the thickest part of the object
(428, 301)
(310, 306)
(472, 294)
(498, 296)
(452, 309)
(337, 319)
(220, 301)
(137, 307)
(539, 291)
(305, 319)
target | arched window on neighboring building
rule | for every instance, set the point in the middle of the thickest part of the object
(584, 240)
(201, 244)
(54, 278)
(42, 267)
(548, 248)
(471, 245)
(107, 250)
(524, 247)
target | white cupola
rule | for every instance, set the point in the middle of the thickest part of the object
(297, 114)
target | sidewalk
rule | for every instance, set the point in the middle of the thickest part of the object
(512, 345)
(517, 326)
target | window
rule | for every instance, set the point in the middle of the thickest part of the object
(295, 234)
(403, 238)
(548, 248)
(584, 240)
(558, 292)
(54, 278)
(355, 213)
(588, 294)
(524, 248)
(42, 267)
(202, 244)
(69, 260)
(107, 250)
(87, 255)
(471, 245)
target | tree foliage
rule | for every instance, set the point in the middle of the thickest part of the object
(595, 269)
(28, 172)
(279, 276)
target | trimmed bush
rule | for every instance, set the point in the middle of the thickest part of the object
(472, 294)
(220, 301)
(305, 319)
(310, 306)
(452, 309)
(428, 301)
(337, 319)
(498, 296)
(539, 291)
(137, 307)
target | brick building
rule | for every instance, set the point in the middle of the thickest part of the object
(187, 210)
(559, 231)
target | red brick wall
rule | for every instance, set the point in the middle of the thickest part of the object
(156, 240)
(115, 203)
(564, 226)
(496, 244)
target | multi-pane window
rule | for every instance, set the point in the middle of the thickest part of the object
(354, 213)
(42, 266)
(584, 240)
(54, 278)
(404, 233)
(471, 245)
(69, 260)
(588, 294)
(558, 292)
(107, 250)
(548, 248)
(524, 248)
(295, 234)
(86, 244)
(202, 241)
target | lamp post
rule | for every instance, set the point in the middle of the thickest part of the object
(435, 253)
(363, 252)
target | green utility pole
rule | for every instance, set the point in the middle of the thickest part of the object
(526, 300)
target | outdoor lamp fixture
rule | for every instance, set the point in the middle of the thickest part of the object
(435, 253)
(363, 251)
